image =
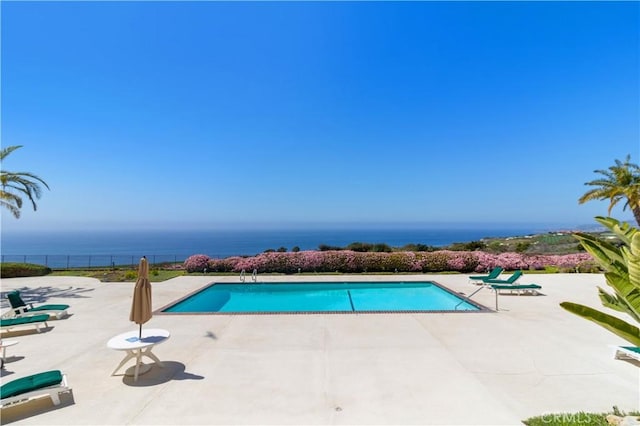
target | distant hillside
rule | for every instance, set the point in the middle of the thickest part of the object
(560, 242)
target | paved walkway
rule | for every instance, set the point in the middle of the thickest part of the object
(530, 358)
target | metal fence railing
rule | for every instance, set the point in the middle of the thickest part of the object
(91, 260)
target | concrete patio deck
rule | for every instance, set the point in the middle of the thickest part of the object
(530, 358)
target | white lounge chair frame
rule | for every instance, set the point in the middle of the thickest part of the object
(511, 290)
(623, 353)
(24, 311)
(518, 291)
(478, 282)
(37, 324)
(52, 391)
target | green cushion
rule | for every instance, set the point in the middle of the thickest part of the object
(49, 308)
(632, 348)
(495, 272)
(510, 280)
(30, 383)
(23, 320)
(15, 300)
(515, 286)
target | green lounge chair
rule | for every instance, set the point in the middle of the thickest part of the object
(37, 320)
(19, 308)
(519, 288)
(509, 281)
(49, 383)
(627, 352)
(494, 274)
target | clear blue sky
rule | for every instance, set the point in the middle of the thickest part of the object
(211, 114)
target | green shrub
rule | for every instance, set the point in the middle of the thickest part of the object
(418, 247)
(568, 419)
(590, 267)
(13, 270)
(470, 246)
(368, 247)
(580, 418)
(360, 247)
(522, 246)
(130, 275)
(497, 247)
(326, 247)
(382, 248)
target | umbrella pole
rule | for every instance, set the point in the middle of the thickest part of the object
(140, 333)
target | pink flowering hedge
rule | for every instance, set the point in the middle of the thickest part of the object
(353, 262)
(197, 262)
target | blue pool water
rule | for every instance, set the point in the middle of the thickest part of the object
(322, 297)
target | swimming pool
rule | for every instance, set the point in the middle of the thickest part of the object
(322, 297)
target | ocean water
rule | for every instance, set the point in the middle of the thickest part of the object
(75, 248)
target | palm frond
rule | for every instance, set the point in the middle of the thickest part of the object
(8, 150)
(606, 254)
(623, 230)
(14, 184)
(628, 294)
(15, 210)
(617, 326)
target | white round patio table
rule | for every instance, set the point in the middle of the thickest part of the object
(138, 347)
(4, 344)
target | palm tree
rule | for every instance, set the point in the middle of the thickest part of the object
(622, 266)
(15, 185)
(619, 182)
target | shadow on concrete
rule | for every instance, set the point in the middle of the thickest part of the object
(34, 407)
(41, 295)
(172, 370)
(4, 372)
(631, 361)
(527, 294)
(12, 358)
